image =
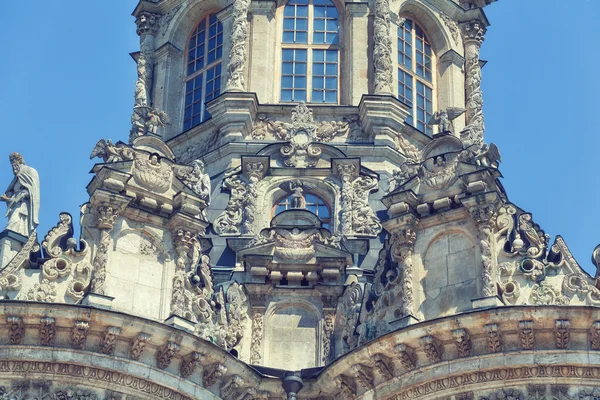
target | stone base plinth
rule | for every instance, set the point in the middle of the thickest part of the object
(10, 244)
(403, 322)
(180, 323)
(98, 301)
(486, 302)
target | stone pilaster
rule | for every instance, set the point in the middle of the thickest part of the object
(238, 52)
(382, 49)
(473, 37)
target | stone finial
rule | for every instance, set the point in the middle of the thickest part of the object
(212, 373)
(47, 331)
(165, 354)
(109, 340)
(189, 364)
(463, 342)
(138, 345)
(494, 339)
(79, 334)
(406, 356)
(526, 334)
(383, 366)
(16, 329)
(433, 349)
(561, 333)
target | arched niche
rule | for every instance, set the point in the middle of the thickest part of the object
(426, 18)
(450, 274)
(292, 332)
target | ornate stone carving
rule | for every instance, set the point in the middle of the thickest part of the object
(195, 177)
(257, 335)
(189, 364)
(109, 340)
(363, 376)
(544, 293)
(328, 327)
(166, 19)
(16, 329)
(146, 120)
(452, 27)
(231, 219)
(357, 216)
(346, 386)
(79, 334)
(526, 334)
(111, 153)
(407, 357)
(473, 33)
(165, 354)
(230, 385)
(382, 49)
(443, 118)
(595, 336)
(186, 244)
(588, 394)
(212, 373)
(402, 246)
(106, 217)
(433, 348)
(463, 342)
(494, 339)
(484, 217)
(239, 48)
(349, 307)
(138, 345)
(383, 366)
(505, 394)
(561, 333)
(47, 331)
(22, 197)
(465, 396)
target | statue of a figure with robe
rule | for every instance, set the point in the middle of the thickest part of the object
(22, 198)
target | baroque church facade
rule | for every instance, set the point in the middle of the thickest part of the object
(305, 208)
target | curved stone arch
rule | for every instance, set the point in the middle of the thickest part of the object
(448, 266)
(272, 191)
(431, 23)
(186, 20)
(301, 310)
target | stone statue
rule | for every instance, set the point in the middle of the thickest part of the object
(443, 118)
(202, 185)
(22, 197)
(297, 195)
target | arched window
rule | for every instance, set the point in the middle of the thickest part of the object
(309, 51)
(308, 201)
(203, 75)
(415, 74)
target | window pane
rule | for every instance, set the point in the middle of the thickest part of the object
(331, 97)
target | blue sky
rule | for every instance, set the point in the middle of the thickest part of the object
(67, 80)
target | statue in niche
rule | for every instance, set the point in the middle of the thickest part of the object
(297, 195)
(22, 197)
(443, 118)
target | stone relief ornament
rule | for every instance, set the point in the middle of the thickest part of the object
(328, 326)
(106, 217)
(511, 290)
(561, 333)
(16, 329)
(111, 153)
(526, 334)
(212, 374)
(166, 19)
(346, 386)
(494, 339)
(79, 334)
(382, 49)
(22, 197)
(146, 120)
(406, 356)
(230, 386)
(189, 363)
(195, 177)
(138, 345)
(239, 48)
(165, 354)
(433, 348)
(230, 221)
(47, 331)
(357, 216)
(257, 335)
(473, 34)
(484, 216)
(363, 376)
(109, 340)
(544, 293)
(505, 394)
(452, 27)
(383, 366)
(463, 342)
(349, 309)
(152, 173)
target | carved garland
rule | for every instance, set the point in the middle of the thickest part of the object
(473, 32)
(239, 49)
(382, 48)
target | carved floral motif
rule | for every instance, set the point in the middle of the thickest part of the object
(239, 48)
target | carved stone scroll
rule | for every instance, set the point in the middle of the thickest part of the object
(109, 340)
(561, 333)
(463, 342)
(402, 246)
(433, 349)
(79, 334)
(138, 345)
(526, 334)
(16, 329)
(407, 357)
(494, 339)
(189, 363)
(383, 366)
(165, 354)
(213, 373)
(47, 331)
(239, 47)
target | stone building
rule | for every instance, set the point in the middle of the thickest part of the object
(305, 208)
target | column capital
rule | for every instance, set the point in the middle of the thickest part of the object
(473, 31)
(147, 22)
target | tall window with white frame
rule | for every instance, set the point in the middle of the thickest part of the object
(415, 74)
(203, 74)
(310, 52)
